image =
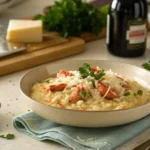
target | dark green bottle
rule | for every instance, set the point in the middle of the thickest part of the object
(127, 27)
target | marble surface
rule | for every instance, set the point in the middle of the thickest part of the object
(11, 98)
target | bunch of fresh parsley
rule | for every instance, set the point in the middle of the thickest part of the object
(72, 17)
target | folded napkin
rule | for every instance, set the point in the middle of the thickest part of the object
(78, 138)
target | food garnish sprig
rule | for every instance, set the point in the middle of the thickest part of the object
(8, 136)
(146, 65)
(86, 71)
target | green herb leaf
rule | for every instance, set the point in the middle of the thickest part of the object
(2, 136)
(127, 94)
(93, 81)
(86, 71)
(47, 81)
(99, 75)
(38, 17)
(139, 92)
(83, 94)
(104, 11)
(146, 65)
(8, 136)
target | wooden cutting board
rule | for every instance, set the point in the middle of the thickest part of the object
(88, 37)
(53, 48)
(39, 53)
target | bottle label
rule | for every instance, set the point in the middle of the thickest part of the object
(136, 34)
(107, 32)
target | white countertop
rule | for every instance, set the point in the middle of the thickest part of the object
(11, 98)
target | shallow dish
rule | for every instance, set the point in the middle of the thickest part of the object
(86, 118)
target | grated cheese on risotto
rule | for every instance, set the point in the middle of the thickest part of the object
(90, 89)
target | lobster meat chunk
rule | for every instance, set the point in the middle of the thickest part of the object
(106, 91)
(63, 74)
(57, 87)
(75, 95)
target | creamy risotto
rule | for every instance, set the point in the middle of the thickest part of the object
(90, 89)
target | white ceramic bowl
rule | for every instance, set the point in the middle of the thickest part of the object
(86, 118)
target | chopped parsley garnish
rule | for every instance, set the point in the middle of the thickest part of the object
(86, 71)
(47, 81)
(139, 92)
(146, 65)
(127, 94)
(83, 94)
(99, 75)
(8, 136)
(92, 80)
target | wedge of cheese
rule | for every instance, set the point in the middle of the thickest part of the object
(26, 31)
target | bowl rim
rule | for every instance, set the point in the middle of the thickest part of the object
(93, 111)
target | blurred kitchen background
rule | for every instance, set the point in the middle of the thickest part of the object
(25, 8)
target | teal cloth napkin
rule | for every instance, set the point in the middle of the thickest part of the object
(78, 138)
